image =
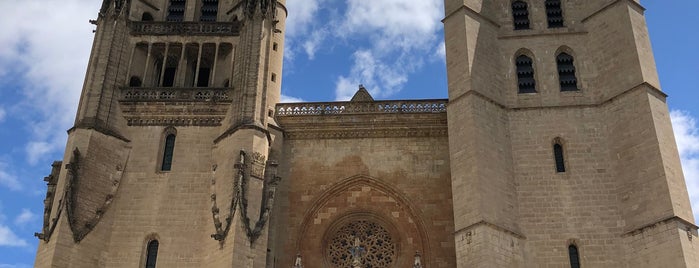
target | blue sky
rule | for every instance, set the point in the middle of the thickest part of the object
(393, 47)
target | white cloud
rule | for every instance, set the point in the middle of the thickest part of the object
(25, 217)
(9, 239)
(288, 99)
(298, 25)
(405, 34)
(2, 114)
(370, 72)
(9, 180)
(405, 24)
(50, 59)
(311, 44)
(441, 52)
(687, 137)
(397, 35)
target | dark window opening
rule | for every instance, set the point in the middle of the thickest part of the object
(169, 77)
(274, 77)
(525, 75)
(558, 156)
(209, 10)
(135, 81)
(274, 46)
(146, 17)
(566, 72)
(520, 15)
(152, 253)
(574, 256)
(176, 10)
(203, 80)
(168, 152)
(554, 13)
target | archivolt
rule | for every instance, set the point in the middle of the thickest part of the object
(365, 180)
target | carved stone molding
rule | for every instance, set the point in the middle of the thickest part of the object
(188, 28)
(81, 227)
(170, 94)
(366, 133)
(200, 121)
(240, 197)
(49, 224)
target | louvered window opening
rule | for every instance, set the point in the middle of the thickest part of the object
(554, 13)
(566, 72)
(175, 12)
(525, 75)
(558, 155)
(152, 253)
(574, 256)
(168, 152)
(209, 10)
(520, 15)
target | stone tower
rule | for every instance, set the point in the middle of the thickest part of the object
(173, 138)
(554, 148)
(563, 138)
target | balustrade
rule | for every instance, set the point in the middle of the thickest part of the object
(175, 94)
(184, 28)
(376, 107)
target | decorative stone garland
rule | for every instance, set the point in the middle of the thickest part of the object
(222, 232)
(240, 190)
(79, 232)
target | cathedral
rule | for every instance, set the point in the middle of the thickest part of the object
(553, 149)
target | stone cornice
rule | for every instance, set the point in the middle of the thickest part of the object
(364, 126)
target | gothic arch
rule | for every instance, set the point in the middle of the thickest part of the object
(344, 186)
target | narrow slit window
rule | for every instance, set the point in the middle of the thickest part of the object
(566, 72)
(525, 75)
(520, 15)
(209, 10)
(574, 256)
(176, 10)
(554, 13)
(151, 253)
(168, 152)
(558, 156)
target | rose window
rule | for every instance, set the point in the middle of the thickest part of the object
(362, 243)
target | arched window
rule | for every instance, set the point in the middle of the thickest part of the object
(554, 13)
(146, 17)
(520, 15)
(176, 10)
(574, 256)
(566, 72)
(135, 81)
(558, 157)
(209, 10)
(168, 152)
(151, 253)
(525, 74)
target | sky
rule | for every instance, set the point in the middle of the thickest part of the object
(393, 47)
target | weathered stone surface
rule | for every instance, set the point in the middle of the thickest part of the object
(467, 182)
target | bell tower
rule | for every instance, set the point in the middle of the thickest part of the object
(172, 158)
(563, 138)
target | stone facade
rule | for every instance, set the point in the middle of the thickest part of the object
(180, 138)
